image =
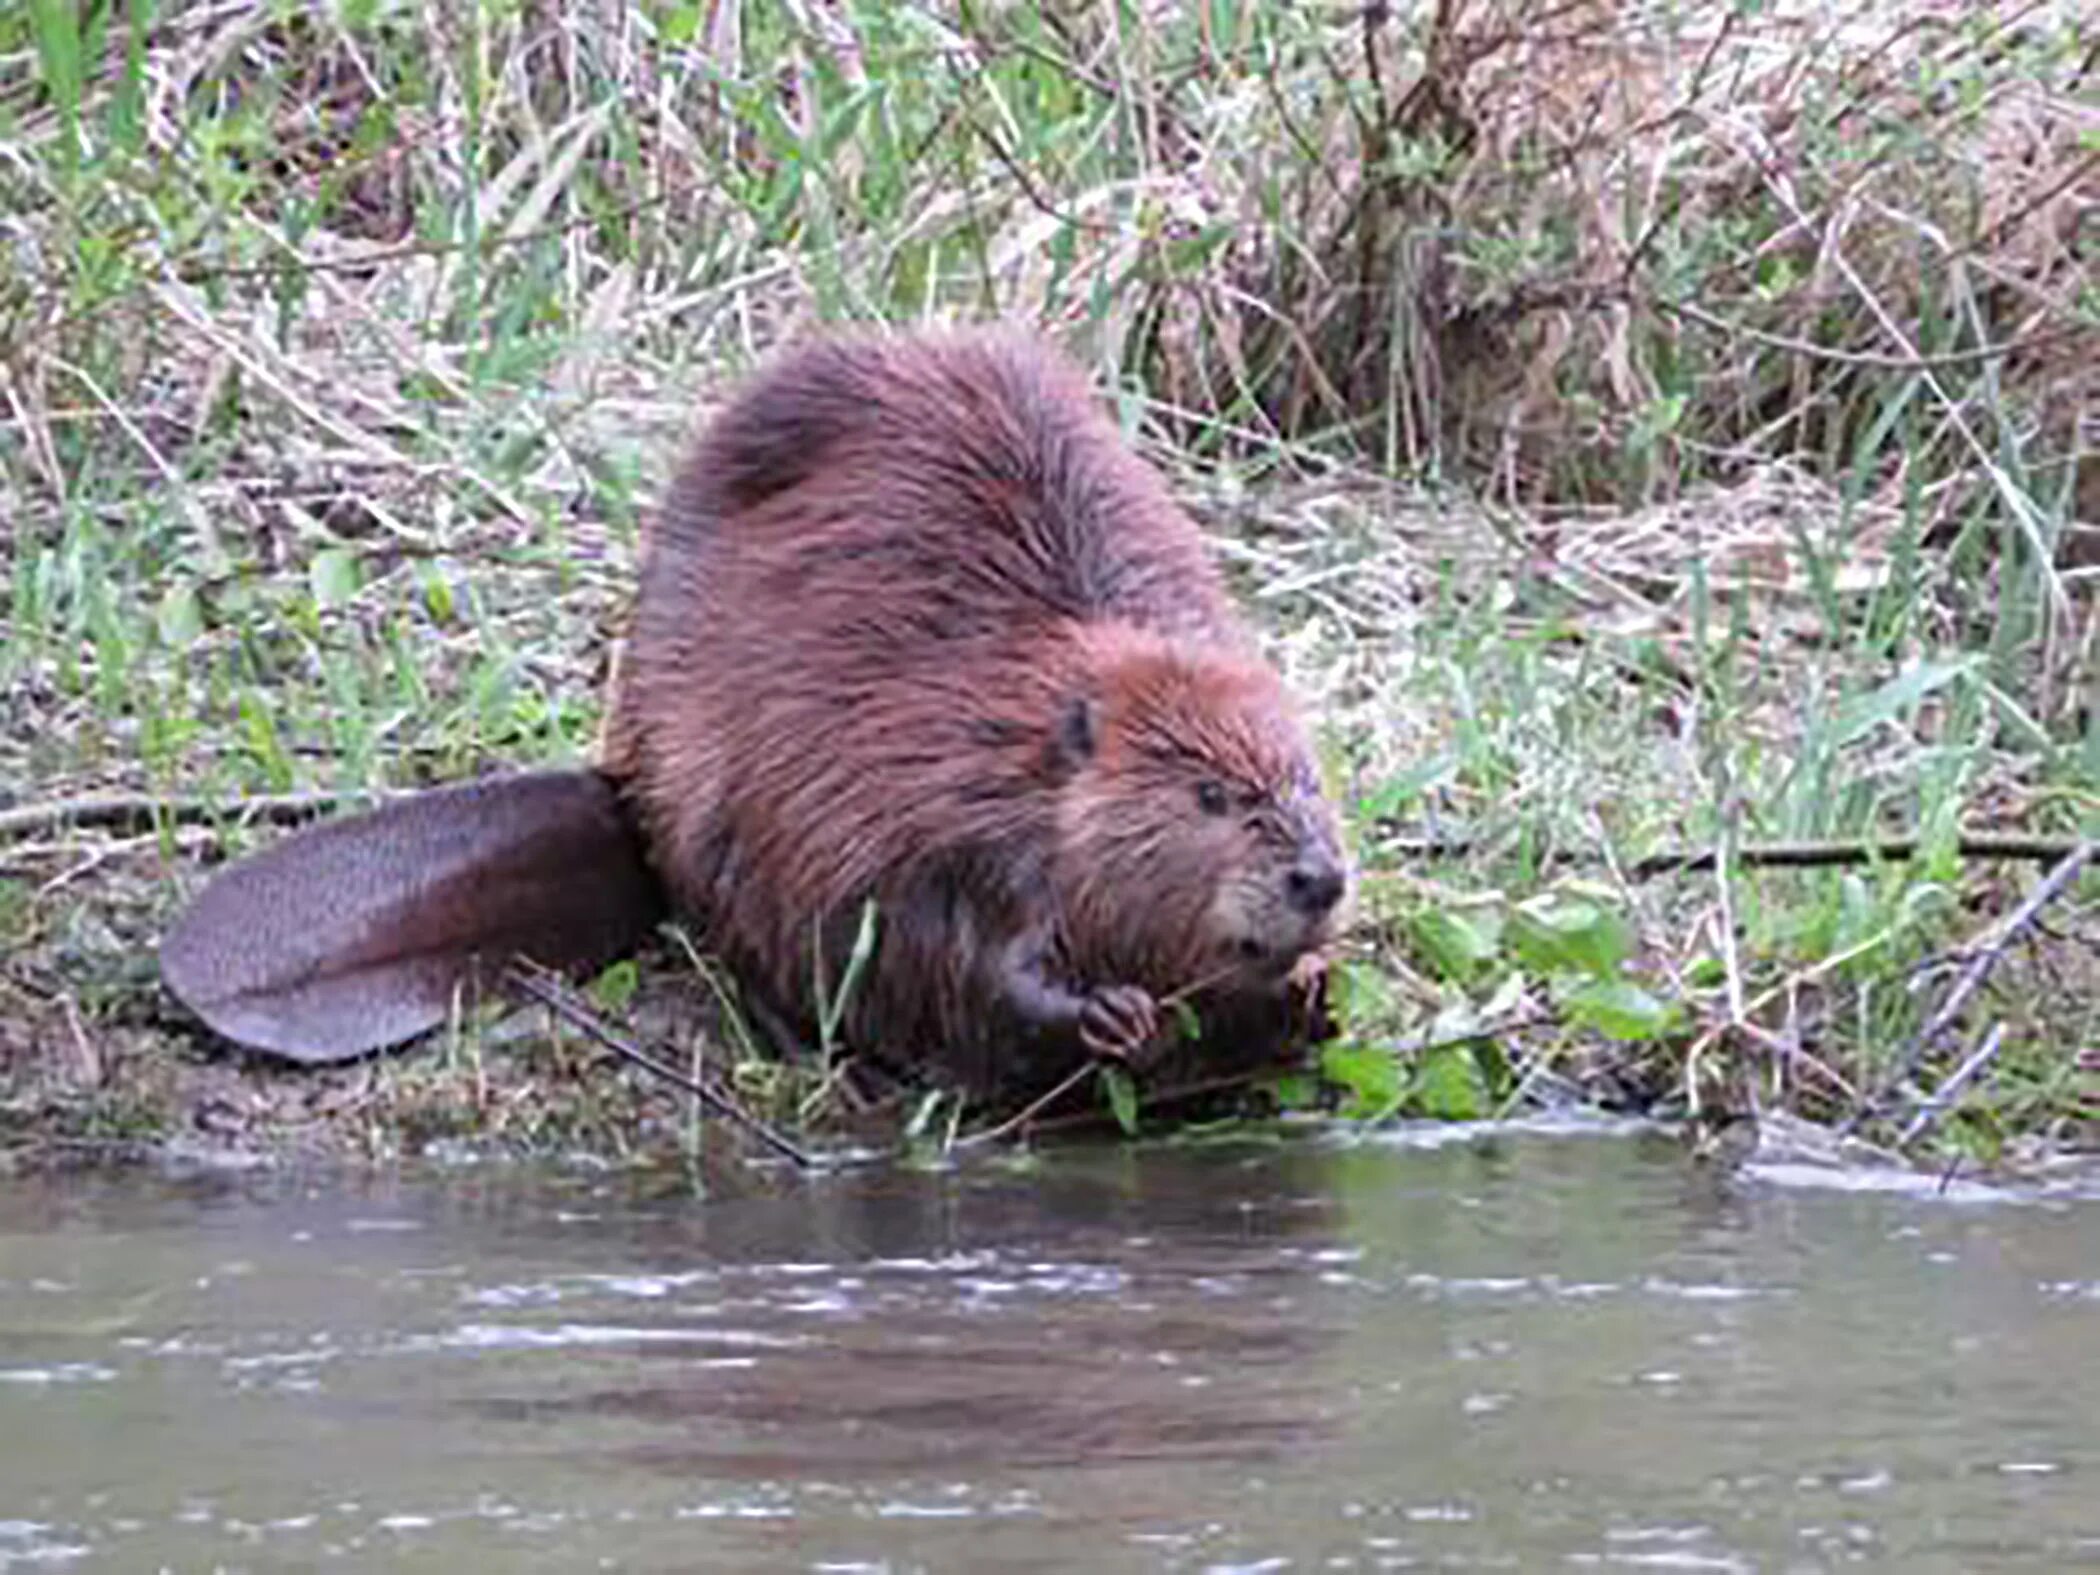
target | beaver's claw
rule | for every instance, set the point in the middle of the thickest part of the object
(1118, 1023)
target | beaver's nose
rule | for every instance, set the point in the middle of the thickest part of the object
(1314, 885)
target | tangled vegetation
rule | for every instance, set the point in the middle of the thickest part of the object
(1646, 430)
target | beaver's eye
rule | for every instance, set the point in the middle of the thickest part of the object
(1211, 797)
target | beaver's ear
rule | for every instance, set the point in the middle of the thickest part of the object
(1072, 736)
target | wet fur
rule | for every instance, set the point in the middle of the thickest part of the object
(915, 625)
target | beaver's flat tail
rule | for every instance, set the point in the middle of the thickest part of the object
(360, 933)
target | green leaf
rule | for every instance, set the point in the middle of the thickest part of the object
(60, 54)
(1447, 1085)
(1621, 1009)
(615, 987)
(1508, 996)
(179, 618)
(1388, 797)
(679, 24)
(1891, 701)
(922, 1115)
(1188, 1027)
(1361, 998)
(260, 733)
(332, 576)
(1570, 932)
(863, 953)
(437, 595)
(1122, 1097)
(839, 126)
(1497, 1077)
(1456, 945)
(1370, 1075)
(1296, 1091)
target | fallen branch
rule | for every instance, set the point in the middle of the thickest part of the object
(148, 811)
(1810, 855)
(2022, 918)
(1029, 1111)
(562, 1004)
(1777, 855)
(1935, 1107)
(1881, 360)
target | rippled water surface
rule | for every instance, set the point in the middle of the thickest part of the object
(1511, 1353)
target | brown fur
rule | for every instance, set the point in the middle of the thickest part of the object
(916, 626)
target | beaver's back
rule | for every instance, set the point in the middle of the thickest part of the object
(968, 480)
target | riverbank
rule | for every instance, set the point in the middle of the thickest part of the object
(1514, 779)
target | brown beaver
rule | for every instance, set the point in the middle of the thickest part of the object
(916, 628)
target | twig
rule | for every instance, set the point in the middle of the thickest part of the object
(1637, 253)
(1028, 1111)
(1724, 885)
(297, 262)
(100, 855)
(536, 983)
(277, 372)
(1160, 1099)
(1775, 855)
(1034, 194)
(136, 811)
(1878, 359)
(1787, 986)
(1972, 977)
(1802, 855)
(2024, 513)
(1931, 1110)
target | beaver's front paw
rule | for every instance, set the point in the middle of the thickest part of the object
(1310, 1014)
(1118, 1023)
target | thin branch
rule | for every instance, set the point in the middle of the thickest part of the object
(1877, 359)
(1036, 197)
(543, 988)
(1932, 1109)
(1776, 855)
(1161, 1099)
(1808, 855)
(1637, 254)
(1029, 1111)
(148, 812)
(298, 262)
(2046, 891)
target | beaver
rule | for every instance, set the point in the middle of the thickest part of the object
(916, 629)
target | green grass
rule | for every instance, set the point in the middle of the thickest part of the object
(1636, 427)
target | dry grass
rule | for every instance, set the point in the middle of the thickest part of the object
(1637, 424)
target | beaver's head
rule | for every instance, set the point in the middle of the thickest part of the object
(1196, 847)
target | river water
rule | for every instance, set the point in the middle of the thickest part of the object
(1507, 1352)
